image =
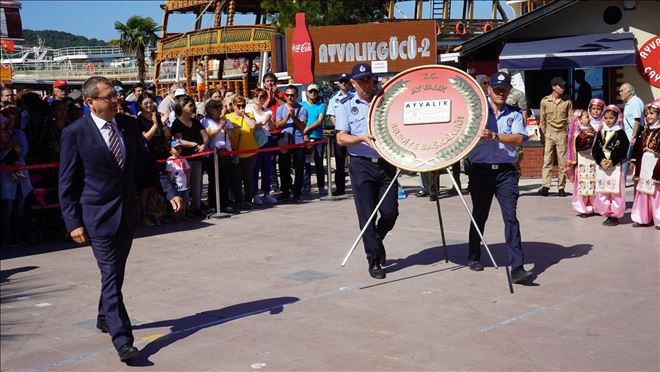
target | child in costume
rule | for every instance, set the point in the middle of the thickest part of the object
(580, 162)
(646, 152)
(610, 149)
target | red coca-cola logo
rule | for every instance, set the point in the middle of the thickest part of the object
(301, 48)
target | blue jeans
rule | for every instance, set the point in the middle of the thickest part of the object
(626, 163)
(265, 165)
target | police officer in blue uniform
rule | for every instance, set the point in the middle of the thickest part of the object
(370, 174)
(345, 89)
(493, 174)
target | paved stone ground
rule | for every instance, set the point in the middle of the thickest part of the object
(264, 290)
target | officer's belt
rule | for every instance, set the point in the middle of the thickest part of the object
(498, 166)
(373, 160)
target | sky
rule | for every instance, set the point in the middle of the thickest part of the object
(96, 19)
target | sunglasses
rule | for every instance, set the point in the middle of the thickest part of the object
(485, 83)
(290, 94)
(343, 81)
(313, 91)
(262, 96)
(240, 106)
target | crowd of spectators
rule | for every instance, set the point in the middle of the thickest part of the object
(178, 133)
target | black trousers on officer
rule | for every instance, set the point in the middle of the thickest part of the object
(486, 182)
(340, 164)
(369, 181)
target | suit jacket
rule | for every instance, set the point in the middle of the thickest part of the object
(93, 191)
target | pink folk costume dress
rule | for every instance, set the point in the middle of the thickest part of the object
(646, 206)
(581, 161)
(611, 143)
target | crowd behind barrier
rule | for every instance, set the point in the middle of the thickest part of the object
(180, 136)
(257, 139)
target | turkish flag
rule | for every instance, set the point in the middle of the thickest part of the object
(7, 45)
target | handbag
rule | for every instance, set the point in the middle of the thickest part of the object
(260, 137)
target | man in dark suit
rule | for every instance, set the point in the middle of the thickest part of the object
(98, 199)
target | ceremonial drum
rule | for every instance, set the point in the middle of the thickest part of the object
(427, 118)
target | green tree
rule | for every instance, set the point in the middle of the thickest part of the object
(282, 13)
(135, 36)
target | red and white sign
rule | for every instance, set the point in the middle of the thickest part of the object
(301, 52)
(648, 61)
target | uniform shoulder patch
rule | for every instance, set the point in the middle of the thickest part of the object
(345, 99)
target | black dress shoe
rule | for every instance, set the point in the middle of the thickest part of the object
(562, 193)
(377, 272)
(422, 193)
(544, 191)
(127, 352)
(475, 266)
(433, 198)
(637, 224)
(520, 275)
(102, 326)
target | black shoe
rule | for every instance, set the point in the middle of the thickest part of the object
(377, 272)
(285, 196)
(338, 192)
(433, 198)
(637, 224)
(475, 266)
(422, 193)
(611, 221)
(562, 193)
(544, 191)
(520, 275)
(127, 352)
(102, 326)
(453, 192)
(583, 215)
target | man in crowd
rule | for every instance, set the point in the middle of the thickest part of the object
(6, 95)
(556, 111)
(633, 111)
(60, 89)
(269, 84)
(98, 159)
(291, 120)
(166, 106)
(345, 90)
(314, 132)
(493, 174)
(583, 92)
(131, 100)
(517, 99)
(370, 174)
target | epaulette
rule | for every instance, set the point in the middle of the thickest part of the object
(345, 99)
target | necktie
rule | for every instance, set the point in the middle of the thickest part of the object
(114, 146)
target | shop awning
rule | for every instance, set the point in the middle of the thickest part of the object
(592, 50)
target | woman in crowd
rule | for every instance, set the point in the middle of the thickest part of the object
(220, 131)
(264, 159)
(245, 126)
(195, 140)
(156, 136)
(15, 185)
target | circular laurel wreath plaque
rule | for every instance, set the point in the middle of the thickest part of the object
(427, 117)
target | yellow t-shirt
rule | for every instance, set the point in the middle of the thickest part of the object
(246, 138)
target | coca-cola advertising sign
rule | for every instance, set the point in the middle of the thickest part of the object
(302, 54)
(336, 49)
(301, 47)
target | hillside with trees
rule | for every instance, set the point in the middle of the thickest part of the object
(58, 39)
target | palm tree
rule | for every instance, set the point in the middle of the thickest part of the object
(135, 36)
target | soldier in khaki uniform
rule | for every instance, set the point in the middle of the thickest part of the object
(556, 111)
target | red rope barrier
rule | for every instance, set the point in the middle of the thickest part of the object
(13, 168)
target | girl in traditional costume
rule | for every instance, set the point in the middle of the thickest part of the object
(610, 149)
(580, 162)
(646, 152)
